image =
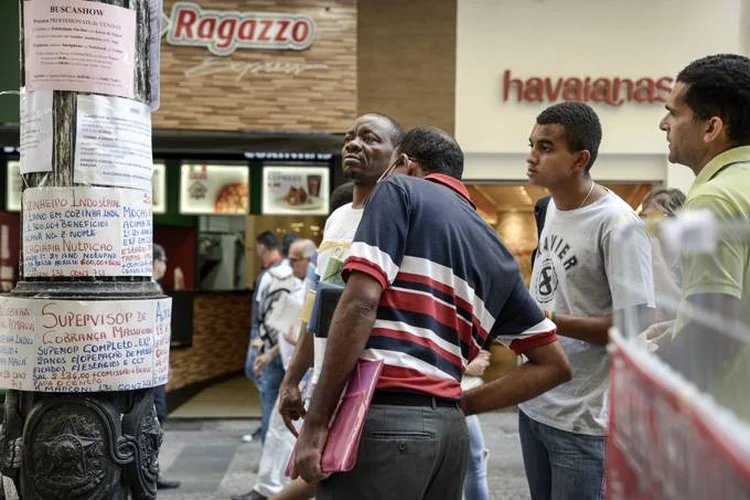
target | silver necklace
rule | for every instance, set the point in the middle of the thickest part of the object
(587, 194)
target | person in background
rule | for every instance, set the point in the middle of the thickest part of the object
(708, 130)
(286, 243)
(278, 280)
(160, 392)
(576, 280)
(285, 317)
(342, 195)
(298, 489)
(661, 203)
(475, 484)
(267, 247)
(424, 293)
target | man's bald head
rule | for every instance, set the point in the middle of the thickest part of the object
(300, 254)
(304, 248)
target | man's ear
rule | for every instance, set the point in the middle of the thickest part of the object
(414, 169)
(582, 159)
(714, 128)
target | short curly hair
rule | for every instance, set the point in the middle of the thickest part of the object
(435, 150)
(583, 131)
(719, 85)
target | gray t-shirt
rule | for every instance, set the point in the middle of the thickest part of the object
(575, 273)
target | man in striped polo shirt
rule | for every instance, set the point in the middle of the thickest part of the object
(366, 153)
(429, 284)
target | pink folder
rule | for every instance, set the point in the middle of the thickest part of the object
(340, 451)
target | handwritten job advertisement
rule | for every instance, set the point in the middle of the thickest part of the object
(86, 231)
(77, 346)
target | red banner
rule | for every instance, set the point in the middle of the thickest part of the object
(663, 443)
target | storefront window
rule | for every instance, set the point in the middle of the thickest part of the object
(221, 253)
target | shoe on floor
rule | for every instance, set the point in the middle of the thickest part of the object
(250, 495)
(248, 438)
(165, 484)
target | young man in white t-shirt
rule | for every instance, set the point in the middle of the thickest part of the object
(575, 280)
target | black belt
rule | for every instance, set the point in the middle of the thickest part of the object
(403, 398)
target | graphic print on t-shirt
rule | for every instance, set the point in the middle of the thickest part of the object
(545, 290)
(553, 247)
(575, 274)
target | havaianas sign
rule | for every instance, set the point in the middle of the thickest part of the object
(222, 32)
(613, 91)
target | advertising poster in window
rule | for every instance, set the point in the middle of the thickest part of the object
(289, 190)
(214, 189)
(13, 187)
(159, 194)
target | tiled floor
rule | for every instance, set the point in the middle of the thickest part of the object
(210, 459)
(203, 446)
(235, 398)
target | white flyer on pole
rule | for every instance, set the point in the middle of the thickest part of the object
(79, 46)
(113, 142)
(83, 346)
(86, 231)
(36, 131)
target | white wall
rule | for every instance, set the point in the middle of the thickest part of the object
(680, 177)
(579, 38)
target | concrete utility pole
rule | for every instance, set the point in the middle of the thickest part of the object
(84, 336)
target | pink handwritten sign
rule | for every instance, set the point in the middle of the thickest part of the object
(79, 46)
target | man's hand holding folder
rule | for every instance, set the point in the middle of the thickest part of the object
(350, 328)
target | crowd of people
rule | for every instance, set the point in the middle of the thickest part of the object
(429, 285)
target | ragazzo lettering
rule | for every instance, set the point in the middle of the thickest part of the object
(223, 32)
(611, 91)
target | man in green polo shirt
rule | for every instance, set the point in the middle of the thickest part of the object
(708, 130)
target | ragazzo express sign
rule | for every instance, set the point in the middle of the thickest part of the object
(604, 90)
(221, 32)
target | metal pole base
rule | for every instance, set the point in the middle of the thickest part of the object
(81, 446)
(71, 446)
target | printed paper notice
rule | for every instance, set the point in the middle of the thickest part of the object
(36, 131)
(113, 142)
(80, 46)
(74, 346)
(86, 231)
